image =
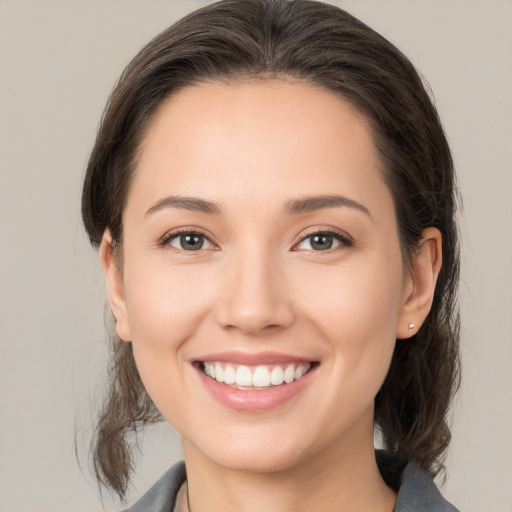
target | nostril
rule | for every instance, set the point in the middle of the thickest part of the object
(254, 317)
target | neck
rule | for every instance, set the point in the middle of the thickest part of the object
(343, 476)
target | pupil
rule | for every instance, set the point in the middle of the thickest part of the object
(321, 242)
(191, 242)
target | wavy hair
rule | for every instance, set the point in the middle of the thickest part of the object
(321, 44)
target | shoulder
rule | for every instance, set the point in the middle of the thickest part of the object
(419, 493)
(416, 490)
(162, 496)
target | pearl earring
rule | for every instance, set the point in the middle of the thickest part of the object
(411, 327)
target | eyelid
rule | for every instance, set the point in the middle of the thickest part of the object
(173, 233)
(342, 236)
(345, 239)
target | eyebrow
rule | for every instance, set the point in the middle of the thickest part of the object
(293, 207)
(313, 203)
(186, 203)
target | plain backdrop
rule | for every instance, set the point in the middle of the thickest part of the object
(58, 62)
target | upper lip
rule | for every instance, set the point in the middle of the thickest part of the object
(244, 358)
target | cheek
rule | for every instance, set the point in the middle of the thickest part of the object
(356, 309)
(164, 307)
(164, 304)
(360, 295)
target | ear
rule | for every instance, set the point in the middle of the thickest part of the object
(115, 286)
(420, 283)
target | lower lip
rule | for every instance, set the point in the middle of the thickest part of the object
(255, 400)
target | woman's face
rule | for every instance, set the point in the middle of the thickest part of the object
(260, 242)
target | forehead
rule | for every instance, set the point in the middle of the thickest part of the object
(256, 138)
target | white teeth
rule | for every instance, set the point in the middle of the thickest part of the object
(243, 376)
(259, 377)
(229, 375)
(276, 376)
(301, 370)
(289, 374)
(219, 373)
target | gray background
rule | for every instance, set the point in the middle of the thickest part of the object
(58, 62)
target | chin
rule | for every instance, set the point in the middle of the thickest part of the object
(250, 453)
(255, 462)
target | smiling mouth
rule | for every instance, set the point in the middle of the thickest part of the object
(260, 377)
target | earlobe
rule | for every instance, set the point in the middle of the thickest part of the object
(421, 283)
(115, 286)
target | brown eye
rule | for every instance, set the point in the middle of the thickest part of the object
(189, 241)
(323, 241)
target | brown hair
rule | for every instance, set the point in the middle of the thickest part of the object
(324, 45)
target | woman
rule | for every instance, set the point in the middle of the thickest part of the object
(273, 198)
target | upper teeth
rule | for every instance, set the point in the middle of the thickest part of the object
(258, 376)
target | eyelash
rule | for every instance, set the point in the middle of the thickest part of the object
(343, 239)
(167, 238)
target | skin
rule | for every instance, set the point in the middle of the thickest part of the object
(258, 285)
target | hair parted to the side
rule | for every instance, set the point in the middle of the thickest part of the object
(323, 45)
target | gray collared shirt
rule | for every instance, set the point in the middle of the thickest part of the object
(416, 490)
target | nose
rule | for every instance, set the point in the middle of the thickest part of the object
(255, 300)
